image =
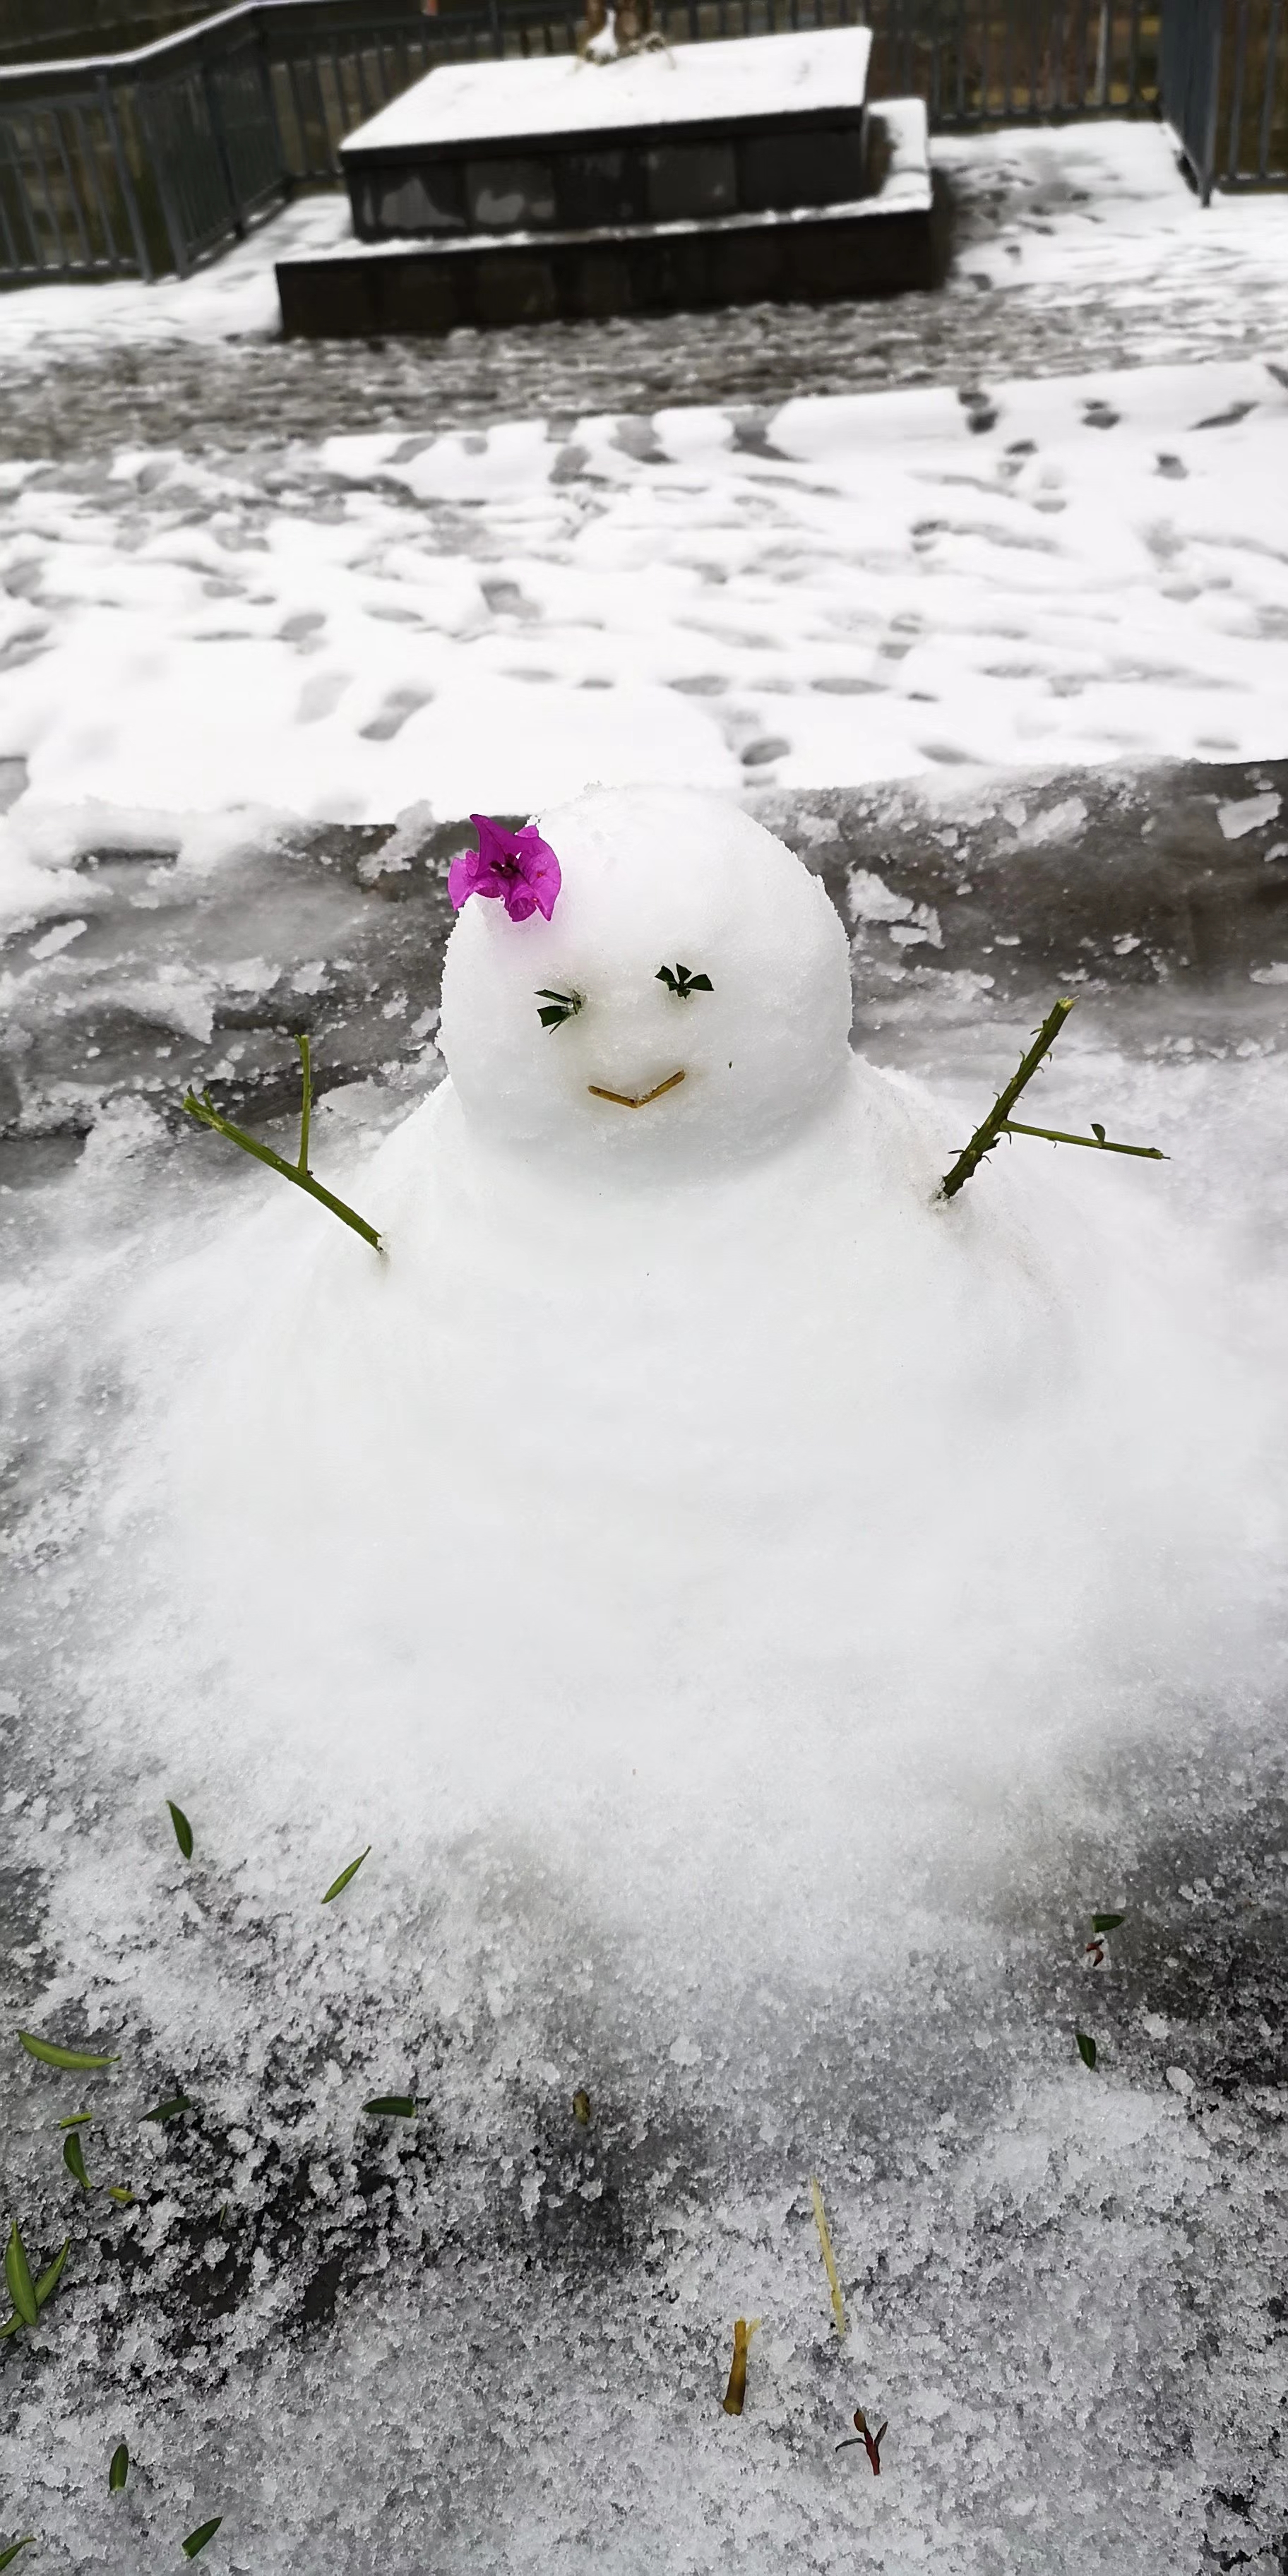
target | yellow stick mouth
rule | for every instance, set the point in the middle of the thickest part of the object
(636, 1100)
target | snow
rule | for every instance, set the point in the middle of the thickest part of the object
(885, 585)
(561, 94)
(718, 1405)
(756, 1614)
(792, 1881)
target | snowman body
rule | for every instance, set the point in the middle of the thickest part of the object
(678, 1393)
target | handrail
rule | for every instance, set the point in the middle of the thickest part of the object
(193, 42)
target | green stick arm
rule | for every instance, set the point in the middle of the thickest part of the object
(990, 1128)
(205, 1111)
(306, 1107)
(1098, 1144)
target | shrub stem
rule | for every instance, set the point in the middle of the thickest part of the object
(205, 1111)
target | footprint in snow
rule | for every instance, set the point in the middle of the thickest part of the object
(392, 716)
(1226, 419)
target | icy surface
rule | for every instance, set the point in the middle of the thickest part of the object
(566, 94)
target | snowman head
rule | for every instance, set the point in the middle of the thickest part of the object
(687, 998)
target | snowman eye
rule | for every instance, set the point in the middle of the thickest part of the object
(558, 1007)
(680, 981)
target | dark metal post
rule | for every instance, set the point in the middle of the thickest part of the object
(74, 188)
(1207, 172)
(270, 104)
(1268, 102)
(88, 150)
(220, 141)
(1236, 102)
(173, 220)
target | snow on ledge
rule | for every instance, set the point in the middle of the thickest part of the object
(563, 94)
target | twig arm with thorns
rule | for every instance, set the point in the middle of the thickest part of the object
(999, 1121)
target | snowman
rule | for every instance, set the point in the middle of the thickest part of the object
(678, 1399)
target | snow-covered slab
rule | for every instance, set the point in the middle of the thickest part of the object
(905, 186)
(723, 83)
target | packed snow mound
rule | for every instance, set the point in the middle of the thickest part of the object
(754, 1613)
(693, 1456)
(653, 881)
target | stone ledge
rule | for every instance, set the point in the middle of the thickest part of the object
(879, 244)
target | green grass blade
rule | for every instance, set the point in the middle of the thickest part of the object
(17, 2272)
(182, 1829)
(392, 2106)
(118, 2469)
(74, 2159)
(196, 2540)
(169, 2110)
(345, 1876)
(7, 2556)
(48, 2282)
(44, 2289)
(1086, 2048)
(50, 2054)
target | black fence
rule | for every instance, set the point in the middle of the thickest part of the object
(46, 30)
(1224, 84)
(145, 162)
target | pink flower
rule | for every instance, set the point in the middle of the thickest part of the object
(519, 866)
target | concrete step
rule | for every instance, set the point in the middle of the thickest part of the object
(876, 243)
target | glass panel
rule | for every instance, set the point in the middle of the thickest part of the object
(600, 188)
(412, 201)
(509, 196)
(821, 167)
(691, 179)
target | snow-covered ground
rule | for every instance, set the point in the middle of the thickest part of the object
(1083, 570)
(497, 2334)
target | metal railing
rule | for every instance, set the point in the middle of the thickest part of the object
(145, 162)
(1224, 85)
(34, 31)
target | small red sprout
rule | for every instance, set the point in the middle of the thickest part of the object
(871, 2441)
